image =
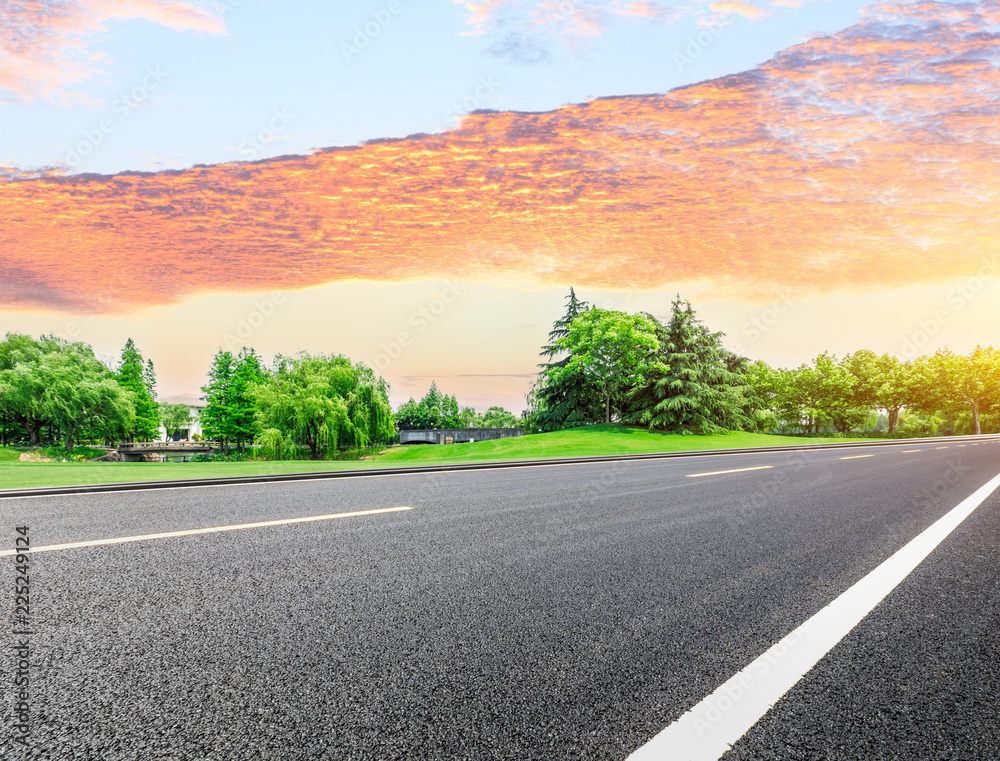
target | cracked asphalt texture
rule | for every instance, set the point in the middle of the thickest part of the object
(567, 612)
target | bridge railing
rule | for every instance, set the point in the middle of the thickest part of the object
(167, 445)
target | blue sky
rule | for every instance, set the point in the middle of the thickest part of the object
(215, 93)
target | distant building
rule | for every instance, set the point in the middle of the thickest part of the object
(457, 436)
(195, 405)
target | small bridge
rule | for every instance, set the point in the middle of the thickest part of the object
(458, 435)
(134, 452)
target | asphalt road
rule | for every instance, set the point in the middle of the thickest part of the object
(567, 612)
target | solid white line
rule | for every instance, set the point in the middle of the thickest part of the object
(709, 730)
(194, 531)
(723, 472)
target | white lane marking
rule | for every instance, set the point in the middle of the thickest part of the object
(723, 472)
(194, 531)
(857, 457)
(709, 730)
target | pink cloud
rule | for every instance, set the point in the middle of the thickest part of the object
(648, 10)
(566, 21)
(44, 47)
(727, 7)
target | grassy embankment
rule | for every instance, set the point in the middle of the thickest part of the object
(578, 442)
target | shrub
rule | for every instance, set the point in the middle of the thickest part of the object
(219, 457)
(77, 454)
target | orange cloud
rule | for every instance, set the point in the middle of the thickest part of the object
(43, 43)
(862, 160)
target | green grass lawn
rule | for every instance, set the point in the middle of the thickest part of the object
(577, 442)
(584, 442)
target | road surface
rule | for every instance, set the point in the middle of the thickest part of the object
(566, 612)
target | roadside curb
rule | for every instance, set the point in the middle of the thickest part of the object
(55, 491)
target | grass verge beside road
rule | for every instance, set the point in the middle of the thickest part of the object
(578, 442)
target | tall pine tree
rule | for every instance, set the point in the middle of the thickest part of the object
(138, 377)
(565, 399)
(215, 418)
(697, 391)
(240, 425)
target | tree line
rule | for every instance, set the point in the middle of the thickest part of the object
(600, 366)
(437, 410)
(606, 365)
(61, 389)
(317, 404)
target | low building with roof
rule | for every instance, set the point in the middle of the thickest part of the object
(195, 404)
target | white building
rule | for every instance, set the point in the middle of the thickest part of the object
(195, 405)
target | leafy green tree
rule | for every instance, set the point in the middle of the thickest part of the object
(882, 382)
(613, 350)
(534, 406)
(135, 374)
(174, 417)
(564, 398)
(434, 410)
(692, 387)
(956, 381)
(498, 417)
(468, 418)
(449, 412)
(761, 392)
(817, 394)
(408, 415)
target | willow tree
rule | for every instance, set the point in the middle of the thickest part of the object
(321, 402)
(50, 381)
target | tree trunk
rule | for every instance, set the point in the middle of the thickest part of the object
(607, 409)
(69, 439)
(34, 432)
(975, 416)
(893, 419)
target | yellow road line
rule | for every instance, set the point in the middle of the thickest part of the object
(907, 451)
(195, 531)
(940, 447)
(857, 457)
(723, 472)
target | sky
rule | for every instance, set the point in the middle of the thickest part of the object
(416, 184)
